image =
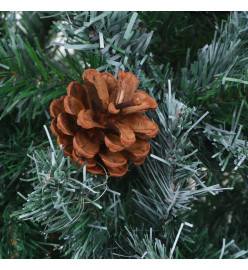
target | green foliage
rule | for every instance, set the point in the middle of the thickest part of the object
(20, 239)
(175, 31)
(216, 79)
(64, 200)
(33, 79)
(165, 198)
(114, 36)
(52, 209)
(145, 246)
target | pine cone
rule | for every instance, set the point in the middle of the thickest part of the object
(101, 122)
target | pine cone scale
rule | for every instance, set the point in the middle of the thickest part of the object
(86, 119)
(118, 171)
(64, 140)
(141, 125)
(113, 142)
(72, 105)
(83, 144)
(57, 107)
(126, 86)
(55, 130)
(96, 169)
(90, 162)
(146, 102)
(111, 83)
(67, 124)
(97, 90)
(127, 135)
(139, 149)
(78, 91)
(113, 159)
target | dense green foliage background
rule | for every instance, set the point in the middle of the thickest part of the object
(34, 71)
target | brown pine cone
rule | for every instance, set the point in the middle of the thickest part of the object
(102, 122)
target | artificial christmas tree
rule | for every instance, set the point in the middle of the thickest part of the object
(188, 198)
